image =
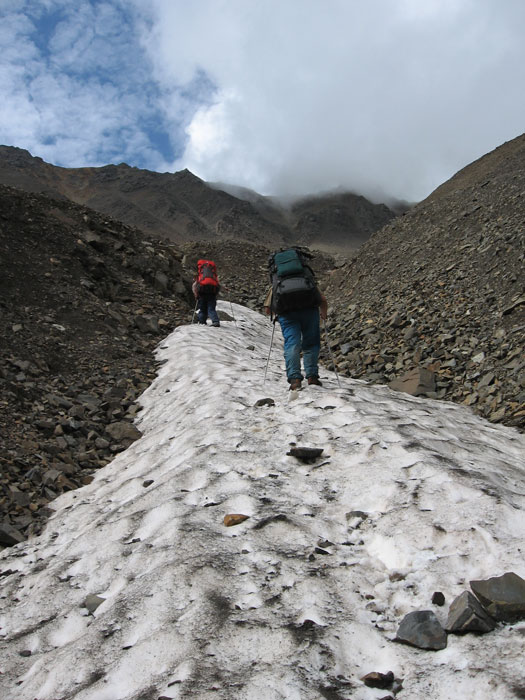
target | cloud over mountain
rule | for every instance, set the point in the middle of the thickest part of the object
(283, 98)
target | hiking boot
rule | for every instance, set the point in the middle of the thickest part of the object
(295, 384)
(216, 324)
(315, 380)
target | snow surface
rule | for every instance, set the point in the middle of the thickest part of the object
(301, 599)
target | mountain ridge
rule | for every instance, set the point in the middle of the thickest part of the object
(181, 207)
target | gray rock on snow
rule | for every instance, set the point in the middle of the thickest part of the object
(264, 402)
(359, 514)
(466, 614)
(422, 629)
(305, 454)
(92, 602)
(502, 596)
(438, 598)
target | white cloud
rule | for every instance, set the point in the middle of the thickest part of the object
(284, 97)
(81, 93)
(382, 95)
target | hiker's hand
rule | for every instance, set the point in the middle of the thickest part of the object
(324, 313)
(267, 310)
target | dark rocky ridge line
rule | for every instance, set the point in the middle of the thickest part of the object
(182, 207)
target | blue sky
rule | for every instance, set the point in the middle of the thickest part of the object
(388, 97)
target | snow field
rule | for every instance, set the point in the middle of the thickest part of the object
(299, 601)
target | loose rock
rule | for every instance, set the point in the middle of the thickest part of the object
(417, 382)
(305, 454)
(502, 596)
(234, 519)
(9, 535)
(466, 614)
(92, 602)
(438, 598)
(422, 629)
(376, 679)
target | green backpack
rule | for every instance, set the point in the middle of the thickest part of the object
(293, 282)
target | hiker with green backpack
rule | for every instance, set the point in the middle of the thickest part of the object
(295, 300)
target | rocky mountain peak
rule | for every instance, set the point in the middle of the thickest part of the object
(182, 207)
(18, 156)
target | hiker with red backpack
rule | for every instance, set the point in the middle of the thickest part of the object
(295, 300)
(206, 289)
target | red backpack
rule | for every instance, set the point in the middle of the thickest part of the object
(207, 276)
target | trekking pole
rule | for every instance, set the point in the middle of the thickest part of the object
(194, 310)
(268, 360)
(231, 305)
(330, 351)
(233, 315)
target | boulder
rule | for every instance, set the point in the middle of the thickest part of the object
(123, 431)
(416, 382)
(161, 282)
(92, 602)
(234, 519)
(147, 323)
(502, 596)
(466, 614)
(422, 629)
(305, 454)
(9, 535)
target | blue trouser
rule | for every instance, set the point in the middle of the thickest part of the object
(206, 304)
(301, 332)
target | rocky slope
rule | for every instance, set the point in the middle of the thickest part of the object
(443, 288)
(83, 301)
(182, 207)
(340, 214)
